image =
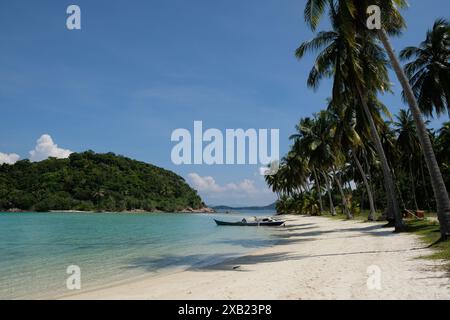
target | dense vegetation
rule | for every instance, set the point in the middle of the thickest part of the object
(90, 181)
(395, 163)
(305, 192)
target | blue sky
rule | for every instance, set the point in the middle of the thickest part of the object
(140, 69)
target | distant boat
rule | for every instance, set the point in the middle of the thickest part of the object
(266, 222)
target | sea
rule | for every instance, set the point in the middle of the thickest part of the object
(41, 253)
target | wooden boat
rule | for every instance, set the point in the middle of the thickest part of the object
(257, 223)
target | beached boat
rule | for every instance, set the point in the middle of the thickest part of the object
(255, 223)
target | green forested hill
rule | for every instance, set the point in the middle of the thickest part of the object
(90, 181)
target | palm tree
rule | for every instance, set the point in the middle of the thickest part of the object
(354, 63)
(282, 205)
(318, 188)
(348, 139)
(429, 72)
(337, 179)
(368, 151)
(331, 152)
(330, 195)
(274, 181)
(408, 145)
(309, 204)
(444, 142)
(304, 128)
(314, 143)
(339, 153)
(353, 19)
(297, 172)
(291, 177)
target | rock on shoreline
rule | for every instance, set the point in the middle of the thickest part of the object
(186, 210)
(13, 210)
(201, 210)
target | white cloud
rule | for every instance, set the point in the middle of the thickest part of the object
(8, 158)
(208, 184)
(247, 186)
(244, 192)
(45, 148)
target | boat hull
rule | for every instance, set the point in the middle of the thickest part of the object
(250, 224)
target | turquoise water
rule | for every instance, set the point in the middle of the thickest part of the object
(37, 248)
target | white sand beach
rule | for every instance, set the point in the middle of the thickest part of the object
(316, 258)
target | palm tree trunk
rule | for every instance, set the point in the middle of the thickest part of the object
(371, 216)
(399, 192)
(366, 162)
(319, 191)
(387, 174)
(344, 198)
(425, 186)
(439, 188)
(413, 186)
(363, 193)
(330, 197)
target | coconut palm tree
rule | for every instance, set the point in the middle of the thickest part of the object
(304, 128)
(354, 20)
(408, 145)
(332, 125)
(337, 178)
(444, 142)
(297, 171)
(282, 205)
(274, 182)
(317, 183)
(429, 72)
(348, 139)
(309, 204)
(355, 63)
(329, 192)
(314, 143)
(291, 177)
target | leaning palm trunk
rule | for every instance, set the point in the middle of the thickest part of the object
(387, 174)
(344, 198)
(371, 216)
(369, 174)
(425, 186)
(319, 192)
(363, 197)
(413, 185)
(437, 182)
(330, 197)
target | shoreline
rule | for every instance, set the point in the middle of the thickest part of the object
(315, 258)
(205, 210)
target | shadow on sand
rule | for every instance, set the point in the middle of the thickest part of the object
(228, 262)
(288, 235)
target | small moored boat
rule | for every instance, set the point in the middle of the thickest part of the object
(267, 222)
